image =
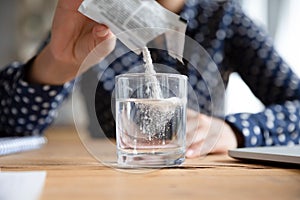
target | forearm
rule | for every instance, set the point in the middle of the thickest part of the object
(27, 108)
(278, 124)
(271, 80)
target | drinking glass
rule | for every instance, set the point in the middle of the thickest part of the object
(150, 119)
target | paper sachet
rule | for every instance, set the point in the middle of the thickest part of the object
(131, 15)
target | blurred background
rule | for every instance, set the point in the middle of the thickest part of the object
(24, 25)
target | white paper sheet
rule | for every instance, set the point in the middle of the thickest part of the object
(21, 185)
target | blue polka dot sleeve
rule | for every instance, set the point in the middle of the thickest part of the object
(27, 109)
(271, 80)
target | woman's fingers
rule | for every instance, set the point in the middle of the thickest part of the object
(194, 150)
(203, 133)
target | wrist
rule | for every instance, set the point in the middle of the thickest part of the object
(239, 137)
(47, 69)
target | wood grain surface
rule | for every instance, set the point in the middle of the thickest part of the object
(73, 173)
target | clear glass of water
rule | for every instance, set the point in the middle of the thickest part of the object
(151, 119)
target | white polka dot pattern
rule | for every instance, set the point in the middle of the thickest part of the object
(26, 109)
(236, 44)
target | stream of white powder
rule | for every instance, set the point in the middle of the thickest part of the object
(153, 89)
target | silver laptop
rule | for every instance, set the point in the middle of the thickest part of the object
(281, 154)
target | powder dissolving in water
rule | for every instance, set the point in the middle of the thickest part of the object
(155, 113)
(151, 121)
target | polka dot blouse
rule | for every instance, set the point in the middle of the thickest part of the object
(26, 109)
(235, 44)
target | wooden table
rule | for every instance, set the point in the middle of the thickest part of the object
(72, 173)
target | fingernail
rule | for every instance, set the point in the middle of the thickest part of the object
(189, 153)
(101, 33)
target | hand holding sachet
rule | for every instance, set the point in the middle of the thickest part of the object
(142, 21)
